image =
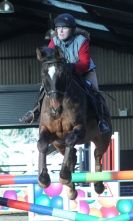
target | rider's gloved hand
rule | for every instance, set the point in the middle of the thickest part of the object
(70, 67)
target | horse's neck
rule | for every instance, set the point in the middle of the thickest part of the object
(75, 93)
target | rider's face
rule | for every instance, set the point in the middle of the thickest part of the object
(63, 33)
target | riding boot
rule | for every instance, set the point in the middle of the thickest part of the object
(34, 114)
(103, 125)
(97, 104)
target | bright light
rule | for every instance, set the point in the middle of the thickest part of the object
(91, 25)
(69, 6)
(6, 7)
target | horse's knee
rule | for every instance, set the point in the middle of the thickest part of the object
(73, 158)
(74, 151)
(42, 146)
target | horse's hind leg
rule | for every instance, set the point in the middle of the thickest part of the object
(98, 153)
(44, 178)
(68, 167)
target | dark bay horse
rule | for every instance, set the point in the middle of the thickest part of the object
(66, 119)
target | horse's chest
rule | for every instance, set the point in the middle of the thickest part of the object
(60, 127)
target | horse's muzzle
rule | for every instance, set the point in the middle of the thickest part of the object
(55, 107)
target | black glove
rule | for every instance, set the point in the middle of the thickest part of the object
(70, 67)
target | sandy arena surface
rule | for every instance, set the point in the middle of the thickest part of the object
(13, 217)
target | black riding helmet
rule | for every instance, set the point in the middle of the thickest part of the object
(65, 20)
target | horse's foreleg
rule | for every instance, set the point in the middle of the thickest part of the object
(42, 144)
(67, 168)
(44, 178)
(65, 173)
(70, 159)
(98, 153)
(71, 139)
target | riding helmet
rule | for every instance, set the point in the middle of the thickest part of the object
(65, 20)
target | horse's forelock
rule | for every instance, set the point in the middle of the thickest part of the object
(46, 54)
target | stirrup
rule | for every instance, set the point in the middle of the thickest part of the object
(28, 118)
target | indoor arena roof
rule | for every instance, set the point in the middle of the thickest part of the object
(110, 22)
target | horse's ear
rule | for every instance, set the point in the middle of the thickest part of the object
(58, 52)
(40, 54)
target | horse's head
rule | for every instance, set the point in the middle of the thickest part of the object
(55, 76)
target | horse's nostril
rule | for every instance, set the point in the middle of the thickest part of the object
(56, 111)
(53, 110)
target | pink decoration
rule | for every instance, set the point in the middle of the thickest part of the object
(84, 207)
(81, 193)
(54, 189)
(11, 194)
(109, 212)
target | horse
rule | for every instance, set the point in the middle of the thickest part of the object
(66, 119)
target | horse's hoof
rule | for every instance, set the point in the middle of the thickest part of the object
(44, 180)
(99, 187)
(72, 194)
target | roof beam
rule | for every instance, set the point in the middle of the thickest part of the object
(121, 5)
(39, 12)
(105, 11)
